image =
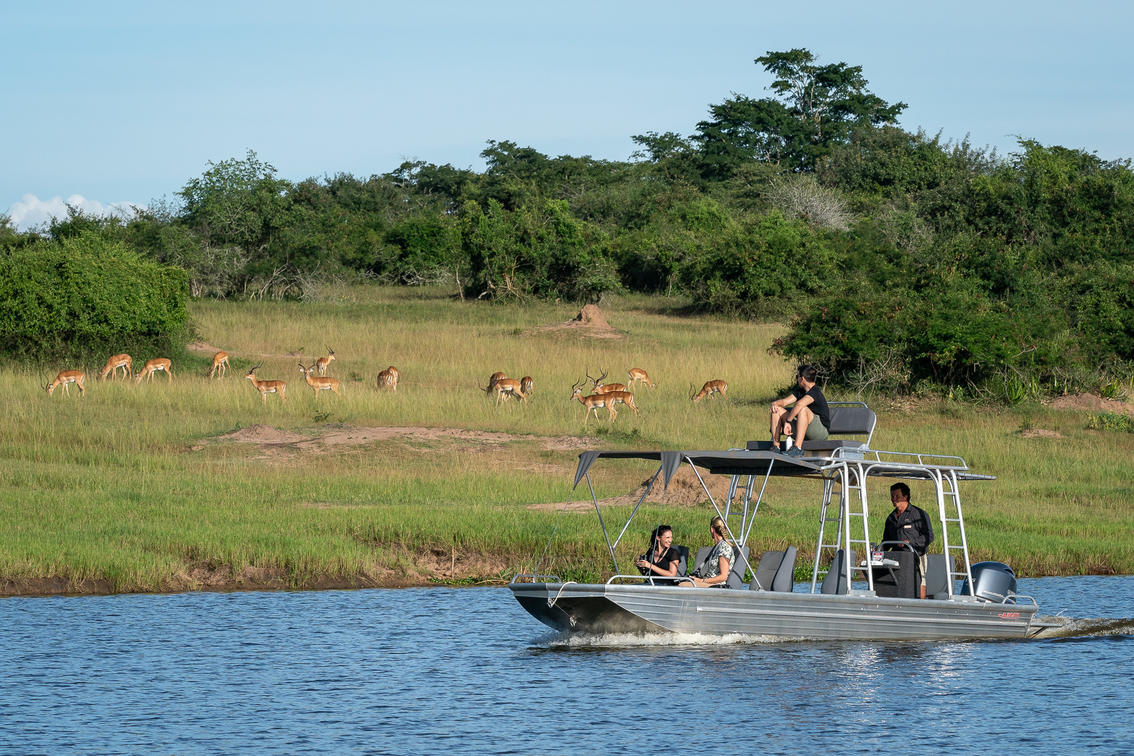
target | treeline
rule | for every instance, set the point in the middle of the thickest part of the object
(902, 262)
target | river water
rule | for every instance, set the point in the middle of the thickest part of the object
(429, 671)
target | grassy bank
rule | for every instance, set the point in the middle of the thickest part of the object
(198, 484)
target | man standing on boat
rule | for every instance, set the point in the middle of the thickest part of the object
(910, 525)
(809, 416)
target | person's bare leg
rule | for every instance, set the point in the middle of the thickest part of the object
(778, 415)
(802, 422)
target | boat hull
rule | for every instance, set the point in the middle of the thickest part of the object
(619, 608)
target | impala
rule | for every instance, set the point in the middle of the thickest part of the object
(117, 361)
(388, 378)
(267, 387)
(593, 403)
(66, 377)
(603, 388)
(492, 379)
(527, 383)
(322, 363)
(620, 397)
(318, 384)
(154, 365)
(220, 364)
(638, 374)
(509, 387)
(715, 386)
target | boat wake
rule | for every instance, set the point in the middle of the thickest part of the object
(1070, 627)
(634, 640)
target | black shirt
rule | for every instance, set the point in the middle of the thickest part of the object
(818, 404)
(913, 526)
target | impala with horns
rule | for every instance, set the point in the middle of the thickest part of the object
(388, 378)
(318, 383)
(639, 375)
(715, 386)
(65, 378)
(267, 387)
(593, 403)
(322, 363)
(492, 379)
(605, 388)
(220, 364)
(114, 363)
(163, 364)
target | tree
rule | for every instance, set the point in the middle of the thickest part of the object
(236, 202)
(815, 108)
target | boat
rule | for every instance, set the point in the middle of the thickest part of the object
(858, 590)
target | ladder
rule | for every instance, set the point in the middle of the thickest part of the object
(851, 517)
(949, 513)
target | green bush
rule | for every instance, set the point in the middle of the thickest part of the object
(85, 297)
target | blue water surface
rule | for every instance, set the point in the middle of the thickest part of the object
(468, 671)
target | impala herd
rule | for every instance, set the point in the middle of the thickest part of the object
(603, 395)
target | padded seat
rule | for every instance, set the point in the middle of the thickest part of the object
(775, 571)
(938, 574)
(836, 581)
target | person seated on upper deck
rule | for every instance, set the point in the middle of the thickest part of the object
(909, 524)
(661, 560)
(809, 416)
(714, 570)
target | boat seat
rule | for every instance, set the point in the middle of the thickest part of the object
(775, 571)
(847, 419)
(684, 562)
(737, 569)
(836, 582)
(702, 555)
(938, 569)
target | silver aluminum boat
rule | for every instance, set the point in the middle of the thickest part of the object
(846, 598)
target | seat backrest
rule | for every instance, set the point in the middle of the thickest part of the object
(702, 555)
(737, 569)
(785, 575)
(775, 571)
(852, 420)
(836, 581)
(938, 569)
(683, 563)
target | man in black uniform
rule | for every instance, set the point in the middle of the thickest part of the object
(909, 524)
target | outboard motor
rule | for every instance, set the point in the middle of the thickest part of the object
(995, 582)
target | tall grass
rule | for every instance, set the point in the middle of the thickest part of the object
(133, 488)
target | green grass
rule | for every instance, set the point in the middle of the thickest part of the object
(132, 489)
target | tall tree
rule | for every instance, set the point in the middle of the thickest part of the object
(815, 107)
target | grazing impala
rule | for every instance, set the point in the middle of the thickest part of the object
(492, 379)
(267, 387)
(604, 388)
(715, 386)
(317, 383)
(638, 374)
(620, 397)
(220, 364)
(154, 365)
(388, 378)
(117, 361)
(322, 363)
(593, 403)
(66, 377)
(527, 383)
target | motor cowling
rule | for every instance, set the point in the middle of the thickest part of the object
(994, 581)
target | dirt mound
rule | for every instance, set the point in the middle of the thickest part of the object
(1092, 403)
(1040, 433)
(590, 322)
(263, 434)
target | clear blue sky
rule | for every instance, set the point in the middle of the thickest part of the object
(123, 102)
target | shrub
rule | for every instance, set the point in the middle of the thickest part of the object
(85, 296)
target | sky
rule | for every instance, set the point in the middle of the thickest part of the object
(108, 105)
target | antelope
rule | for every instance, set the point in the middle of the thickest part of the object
(527, 383)
(593, 403)
(267, 387)
(492, 379)
(66, 377)
(638, 374)
(154, 365)
(117, 361)
(508, 387)
(623, 397)
(603, 388)
(220, 363)
(322, 363)
(388, 378)
(714, 386)
(318, 384)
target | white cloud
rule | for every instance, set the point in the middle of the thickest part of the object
(31, 212)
